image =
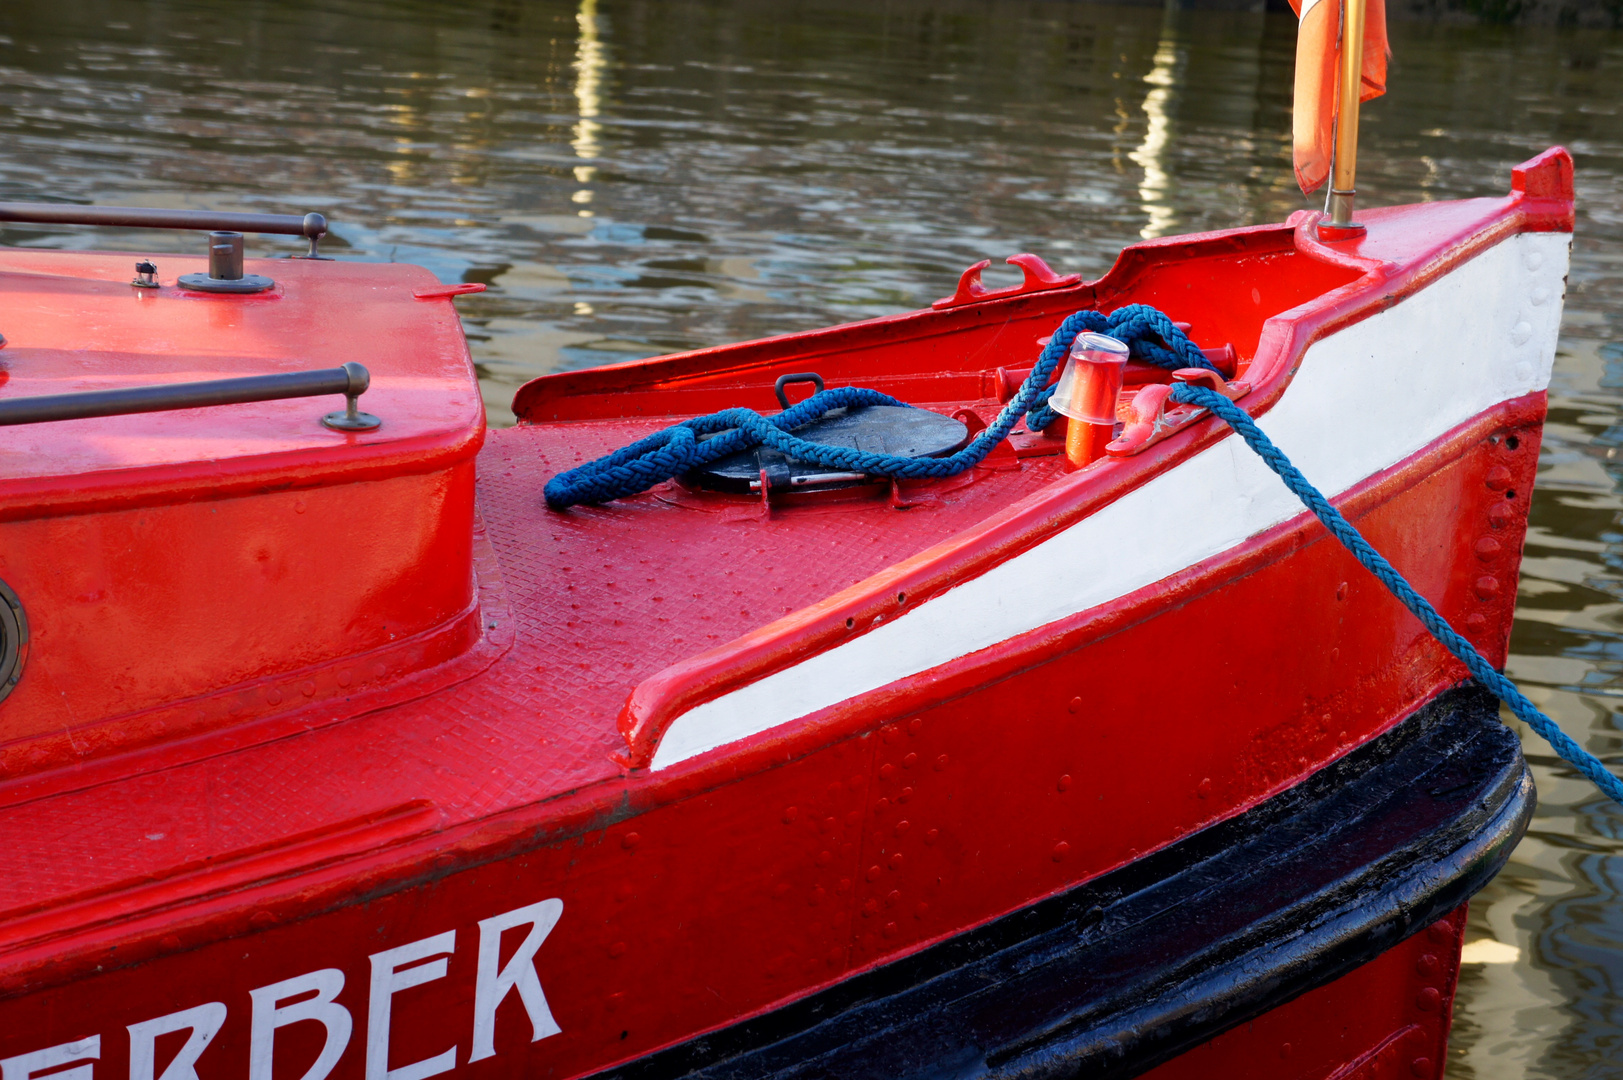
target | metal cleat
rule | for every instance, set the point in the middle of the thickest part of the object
(1149, 420)
(1234, 391)
(1038, 278)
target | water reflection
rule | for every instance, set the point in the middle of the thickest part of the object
(638, 176)
(589, 67)
(1155, 189)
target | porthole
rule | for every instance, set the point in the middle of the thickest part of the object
(13, 640)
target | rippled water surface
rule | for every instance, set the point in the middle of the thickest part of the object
(633, 177)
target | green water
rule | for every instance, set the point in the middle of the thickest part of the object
(633, 177)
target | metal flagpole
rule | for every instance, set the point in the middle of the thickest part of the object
(1344, 163)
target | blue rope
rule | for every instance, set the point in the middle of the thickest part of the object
(1342, 530)
(1150, 336)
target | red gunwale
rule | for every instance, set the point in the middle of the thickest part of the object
(1013, 655)
(1405, 263)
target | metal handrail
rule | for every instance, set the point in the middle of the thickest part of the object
(311, 226)
(351, 380)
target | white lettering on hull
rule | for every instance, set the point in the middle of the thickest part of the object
(290, 1001)
(26, 1066)
(270, 1014)
(388, 978)
(519, 974)
(203, 1022)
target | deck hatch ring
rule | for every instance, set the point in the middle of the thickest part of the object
(13, 639)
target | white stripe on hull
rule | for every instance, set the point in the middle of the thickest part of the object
(1364, 399)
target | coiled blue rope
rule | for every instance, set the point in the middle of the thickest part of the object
(1150, 336)
(1372, 560)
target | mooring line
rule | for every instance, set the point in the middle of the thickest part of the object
(1372, 560)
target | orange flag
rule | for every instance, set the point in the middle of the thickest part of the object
(1318, 59)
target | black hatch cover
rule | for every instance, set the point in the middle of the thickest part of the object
(880, 429)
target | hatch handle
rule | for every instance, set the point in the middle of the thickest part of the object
(351, 380)
(310, 226)
(781, 387)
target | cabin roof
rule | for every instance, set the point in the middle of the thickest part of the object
(73, 322)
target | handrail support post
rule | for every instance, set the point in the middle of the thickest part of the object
(352, 418)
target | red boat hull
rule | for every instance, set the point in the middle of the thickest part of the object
(880, 841)
(1387, 1020)
(544, 851)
